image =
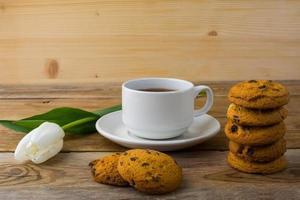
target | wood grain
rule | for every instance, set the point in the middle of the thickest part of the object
(89, 41)
(206, 176)
(103, 90)
(21, 101)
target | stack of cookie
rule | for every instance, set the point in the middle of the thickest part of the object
(255, 126)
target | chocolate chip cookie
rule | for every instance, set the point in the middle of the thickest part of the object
(256, 167)
(259, 153)
(150, 171)
(256, 135)
(105, 170)
(250, 117)
(259, 94)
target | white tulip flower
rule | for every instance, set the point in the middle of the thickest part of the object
(41, 143)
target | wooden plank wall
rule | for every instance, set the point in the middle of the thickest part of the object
(73, 41)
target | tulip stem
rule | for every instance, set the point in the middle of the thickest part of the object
(78, 122)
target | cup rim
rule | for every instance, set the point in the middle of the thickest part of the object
(124, 85)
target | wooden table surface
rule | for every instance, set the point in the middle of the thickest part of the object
(67, 175)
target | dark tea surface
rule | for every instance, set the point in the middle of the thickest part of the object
(157, 90)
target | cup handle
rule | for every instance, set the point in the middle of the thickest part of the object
(209, 100)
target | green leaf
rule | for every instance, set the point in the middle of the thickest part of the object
(81, 126)
(108, 110)
(12, 125)
(63, 115)
(73, 120)
(31, 124)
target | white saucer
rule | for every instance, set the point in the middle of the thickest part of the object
(112, 128)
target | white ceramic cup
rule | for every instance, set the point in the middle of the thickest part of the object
(161, 115)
